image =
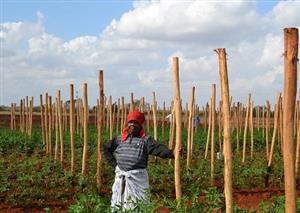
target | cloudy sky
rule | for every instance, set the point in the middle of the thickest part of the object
(46, 46)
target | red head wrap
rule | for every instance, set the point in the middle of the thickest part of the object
(134, 116)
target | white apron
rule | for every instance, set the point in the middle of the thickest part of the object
(128, 188)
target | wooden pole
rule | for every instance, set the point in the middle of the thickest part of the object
(246, 128)
(163, 120)
(50, 124)
(251, 130)
(226, 129)
(220, 126)
(100, 127)
(118, 117)
(148, 119)
(122, 114)
(267, 128)
(263, 122)
(177, 107)
(290, 90)
(42, 119)
(26, 115)
(172, 128)
(238, 123)
(111, 128)
(212, 151)
(46, 123)
(209, 130)
(154, 115)
(31, 114)
(189, 135)
(72, 128)
(131, 103)
(274, 130)
(85, 130)
(21, 115)
(297, 151)
(11, 116)
(194, 128)
(60, 126)
(56, 130)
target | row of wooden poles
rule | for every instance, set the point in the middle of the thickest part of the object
(229, 117)
(54, 116)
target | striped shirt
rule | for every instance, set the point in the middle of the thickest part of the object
(134, 151)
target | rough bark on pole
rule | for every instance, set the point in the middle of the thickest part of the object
(85, 130)
(72, 127)
(246, 128)
(177, 107)
(100, 127)
(226, 129)
(189, 131)
(212, 150)
(290, 90)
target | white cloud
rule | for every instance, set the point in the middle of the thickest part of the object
(135, 52)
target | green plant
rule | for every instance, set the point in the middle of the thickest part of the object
(86, 203)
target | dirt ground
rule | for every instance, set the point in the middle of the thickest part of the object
(246, 199)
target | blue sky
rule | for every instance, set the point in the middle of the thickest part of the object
(46, 45)
(67, 19)
(70, 19)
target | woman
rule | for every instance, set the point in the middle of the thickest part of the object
(129, 153)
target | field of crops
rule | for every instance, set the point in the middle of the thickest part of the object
(33, 181)
(228, 157)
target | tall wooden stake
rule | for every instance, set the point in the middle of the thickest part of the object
(154, 115)
(190, 129)
(85, 130)
(226, 129)
(100, 128)
(246, 128)
(212, 150)
(72, 128)
(177, 107)
(290, 90)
